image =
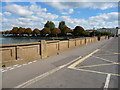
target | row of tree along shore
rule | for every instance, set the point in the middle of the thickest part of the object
(50, 30)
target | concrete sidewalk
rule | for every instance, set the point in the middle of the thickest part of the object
(14, 76)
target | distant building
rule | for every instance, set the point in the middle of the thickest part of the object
(111, 30)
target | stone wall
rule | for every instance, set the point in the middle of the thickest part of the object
(26, 52)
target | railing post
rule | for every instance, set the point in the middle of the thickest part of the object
(68, 43)
(75, 42)
(85, 41)
(43, 49)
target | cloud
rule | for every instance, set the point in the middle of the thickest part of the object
(1, 14)
(94, 5)
(35, 8)
(60, 0)
(7, 13)
(69, 11)
(36, 18)
(41, 12)
(18, 10)
(107, 20)
(47, 16)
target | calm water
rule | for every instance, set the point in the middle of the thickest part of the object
(6, 40)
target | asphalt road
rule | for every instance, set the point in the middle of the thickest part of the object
(92, 66)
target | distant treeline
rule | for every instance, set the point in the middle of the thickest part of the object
(50, 30)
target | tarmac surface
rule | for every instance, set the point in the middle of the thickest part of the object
(93, 66)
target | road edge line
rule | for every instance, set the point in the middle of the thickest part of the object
(31, 81)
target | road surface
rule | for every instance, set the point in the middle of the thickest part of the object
(92, 66)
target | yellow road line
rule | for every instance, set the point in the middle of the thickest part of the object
(98, 65)
(84, 58)
(107, 51)
(106, 54)
(104, 59)
(95, 71)
(116, 53)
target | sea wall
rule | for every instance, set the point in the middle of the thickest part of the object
(25, 52)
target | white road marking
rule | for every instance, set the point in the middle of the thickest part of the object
(8, 67)
(104, 59)
(4, 70)
(19, 66)
(34, 61)
(107, 82)
(11, 68)
(24, 64)
(15, 65)
(29, 62)
(44, 75)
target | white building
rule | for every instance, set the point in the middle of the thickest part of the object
(111, 30)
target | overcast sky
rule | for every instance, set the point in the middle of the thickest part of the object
(36, 14)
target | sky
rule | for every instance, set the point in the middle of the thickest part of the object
(35, 14)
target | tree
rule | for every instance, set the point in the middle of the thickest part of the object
(36, 31)
(50, 25)
(86, 34)
(7, 32)
(105, 33)
(14, 30)
(28, 31)
(45, 31)
(95, 33)
(66, 30)
(78, 31)
(2, 32)
(62, 26)
(55, 31)
(21, 31)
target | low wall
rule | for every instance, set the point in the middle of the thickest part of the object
(63, 45)
(20, 53)
(25, 52)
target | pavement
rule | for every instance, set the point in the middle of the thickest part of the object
(93, 66)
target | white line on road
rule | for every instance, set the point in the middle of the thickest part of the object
(44, 75)
(11, 68)
(35, 61)
(8, 67)
(19, 66)
(29, 62)
(107, 82)
(4, 70)
(24, 64)
(15, 65)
